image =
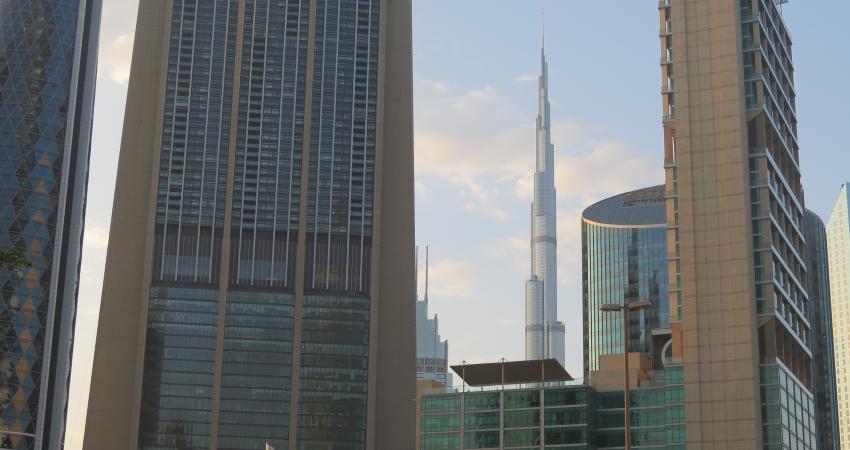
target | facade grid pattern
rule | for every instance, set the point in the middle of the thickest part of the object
(623, 265)
(48, 70)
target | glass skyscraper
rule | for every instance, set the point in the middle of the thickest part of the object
(817, 264)
(432, 352)
(261, 266)
(48, 68)
(624, 259)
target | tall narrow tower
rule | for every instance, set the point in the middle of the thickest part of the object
(544, 335)
(48, 71)
(739, 306)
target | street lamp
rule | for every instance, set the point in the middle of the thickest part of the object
(627, 413)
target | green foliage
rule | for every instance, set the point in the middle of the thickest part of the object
(14, 259)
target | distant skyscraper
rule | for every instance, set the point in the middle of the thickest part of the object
(838, 238)
(544, 334)
(624, 259)
(48, 69)
(817, 266)
(738, 301)
(260, 267)
(432, 352)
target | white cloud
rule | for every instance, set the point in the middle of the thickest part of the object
(526, 78)
(115, 57)
(421, 189)
(489, 211)
(482, 143)
(451, 278)
(95, 238)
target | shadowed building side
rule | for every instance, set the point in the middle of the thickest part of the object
(260, 262)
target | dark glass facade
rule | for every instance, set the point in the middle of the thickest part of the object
(624, 259)
(557, 417)
(48, 59)
(820, 316)
(179, 368)
(242, 135)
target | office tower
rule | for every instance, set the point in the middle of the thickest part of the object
(624, 260)
(838, 240)
(738, 304)
(432, 352)
(48, 68)
(544, 334)
(817, 263)
(260, 267)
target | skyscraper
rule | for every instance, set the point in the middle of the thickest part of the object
(432, 352)
(838, 239)
(817, 264)
(48, 68)
(544, 334)
(261, 258)
(624, 260)
(738, 301)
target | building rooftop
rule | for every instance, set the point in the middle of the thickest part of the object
(512, 372)
(641, 208)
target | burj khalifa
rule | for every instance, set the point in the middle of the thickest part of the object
(544, 334)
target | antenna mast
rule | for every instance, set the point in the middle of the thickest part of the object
(427, 248)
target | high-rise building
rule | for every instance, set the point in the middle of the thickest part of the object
(432, 352)
(838, 239)
(260, 267)
(48, 69)
(544, 334)
(624, 260)
(738, 301)
(817, 264)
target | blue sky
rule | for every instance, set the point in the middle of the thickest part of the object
(476, 63)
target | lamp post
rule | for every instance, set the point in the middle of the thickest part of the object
(627, 309)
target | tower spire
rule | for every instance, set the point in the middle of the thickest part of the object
(542, 30)
(544, 333)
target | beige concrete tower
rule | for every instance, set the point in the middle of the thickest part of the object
(260, 263)
(838, 240)
(738, 304)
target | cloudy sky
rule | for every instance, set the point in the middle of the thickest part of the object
(475, 79)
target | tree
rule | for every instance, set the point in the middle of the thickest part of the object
(14, 259)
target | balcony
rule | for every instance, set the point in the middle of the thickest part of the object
(664, 3)
(667, 28)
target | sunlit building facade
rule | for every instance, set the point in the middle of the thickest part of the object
(544, 333)
(260, 267)
(735, 218)
(48, 69)
(838, 239)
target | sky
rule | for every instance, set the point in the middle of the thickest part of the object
(475, 74)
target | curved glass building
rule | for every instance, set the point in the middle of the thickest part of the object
(624, 259)
(48, 59)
